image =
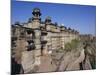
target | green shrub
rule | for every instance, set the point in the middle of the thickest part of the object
(72, 45)
(68, 46)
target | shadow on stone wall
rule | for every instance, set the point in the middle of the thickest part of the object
(15, 67)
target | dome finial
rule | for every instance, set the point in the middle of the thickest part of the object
(36, 11)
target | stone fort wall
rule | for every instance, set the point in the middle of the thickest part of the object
(41, 37)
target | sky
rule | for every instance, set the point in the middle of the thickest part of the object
(78, 17)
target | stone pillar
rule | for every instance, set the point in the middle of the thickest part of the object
(38, 46)
(32, 55)
(44, 38)
(44, 44)
(36, 26)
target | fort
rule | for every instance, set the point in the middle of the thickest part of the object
(38, 38)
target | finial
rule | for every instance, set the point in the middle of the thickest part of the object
(48, 19)
(36, 11)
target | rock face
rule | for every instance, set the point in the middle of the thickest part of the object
(66, 61)
(86, 64)
(90, 51)
(46, 64)
(28, 61)
(62, 61)
(75, 64)
(57, 61)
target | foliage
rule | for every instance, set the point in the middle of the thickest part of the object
(93, 62)
(72, 45)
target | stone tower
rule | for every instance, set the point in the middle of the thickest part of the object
(45, 39)
(48, 22)
(36, 26)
